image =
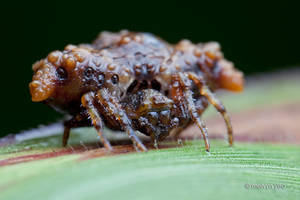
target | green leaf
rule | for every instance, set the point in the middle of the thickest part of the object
(176, 173)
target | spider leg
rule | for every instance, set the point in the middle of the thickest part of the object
(87, 101)
(76, 121)
(204, 90)
(66, 134)
(151, 130)
(181, 93)
(114, 109)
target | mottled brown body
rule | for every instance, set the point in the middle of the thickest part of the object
(135, 81)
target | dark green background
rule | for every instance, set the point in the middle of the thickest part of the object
(256, 36)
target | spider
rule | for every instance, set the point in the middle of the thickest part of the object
(111, 80)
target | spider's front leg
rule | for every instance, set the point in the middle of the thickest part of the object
(204, 90)
(182, 96)
(110, 106)
(87, 101)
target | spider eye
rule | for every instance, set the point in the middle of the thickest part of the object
(115, 79)
(101, 78)
(61, 73)
(88, 72)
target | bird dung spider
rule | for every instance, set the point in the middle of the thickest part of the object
(135, 81)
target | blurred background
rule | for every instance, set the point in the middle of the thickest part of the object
(257, 37)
